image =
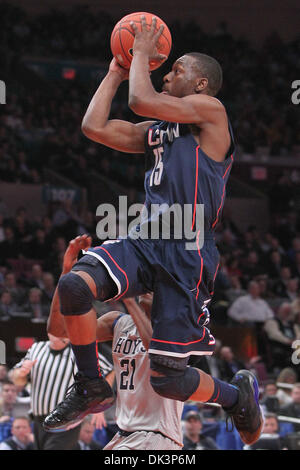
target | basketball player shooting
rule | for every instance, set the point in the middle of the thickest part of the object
(189, 151)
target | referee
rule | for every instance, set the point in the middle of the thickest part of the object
(51, 367)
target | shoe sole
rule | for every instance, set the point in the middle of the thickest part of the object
(96, 408)
(251, 437)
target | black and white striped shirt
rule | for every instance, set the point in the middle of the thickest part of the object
(52, 375)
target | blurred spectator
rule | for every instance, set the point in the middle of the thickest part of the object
(49, 287)
(250, 308)
(252, 267)
(7, 305)
(192, 437)
(10, 248)
(53, 262)
(3, 374)
(271, 425)
(285, 381)
(297, 264)
(295, 305)
(264, 286)
(292, 287)
(293, 409)
(39, 246)
(270, 401)
(85, 441)
(280, 287)
(281, 334)
(35, 279)
(10, 285)
(22, 438)
(235, 290)
(11, 406)
(275, 264)
(34, 306)
(228, 364)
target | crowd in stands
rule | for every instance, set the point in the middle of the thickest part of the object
(41, 126)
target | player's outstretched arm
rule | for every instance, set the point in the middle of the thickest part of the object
(141, 320)
(56, 324)
(117, 134)
(105, 326)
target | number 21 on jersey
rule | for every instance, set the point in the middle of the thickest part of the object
(156, 174)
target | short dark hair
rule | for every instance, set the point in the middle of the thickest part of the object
(271, 415)
(211, 69)
(7, 382)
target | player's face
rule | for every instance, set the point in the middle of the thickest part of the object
(182, 79)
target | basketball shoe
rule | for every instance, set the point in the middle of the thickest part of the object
(246, 414)
(85, 396)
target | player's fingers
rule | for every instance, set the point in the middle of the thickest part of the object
(159, 32)
(153, 24)
(134, 27)
(161, 57)
(143, 23)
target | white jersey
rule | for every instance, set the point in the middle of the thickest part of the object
(138, 407)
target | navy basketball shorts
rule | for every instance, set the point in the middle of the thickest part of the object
(182, 284)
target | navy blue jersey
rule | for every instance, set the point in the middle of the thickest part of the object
(181, 278)
(179, 172)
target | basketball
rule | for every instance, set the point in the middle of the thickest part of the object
(122, 38)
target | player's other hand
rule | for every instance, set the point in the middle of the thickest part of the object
(116, 68)
(82, 242)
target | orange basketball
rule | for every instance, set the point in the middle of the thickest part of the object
(122, 38)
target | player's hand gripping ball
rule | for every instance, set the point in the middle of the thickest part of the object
(152, 33)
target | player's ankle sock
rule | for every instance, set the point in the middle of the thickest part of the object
(225, 394)
(87, 360)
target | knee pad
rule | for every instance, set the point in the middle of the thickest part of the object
(75, 296)
(178, 387)
(167, 365)
(179, 381)
(106, 288)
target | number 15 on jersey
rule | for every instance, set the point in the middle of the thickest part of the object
(156, 174)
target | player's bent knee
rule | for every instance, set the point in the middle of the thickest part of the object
(75, 296)
(178, 382)
(179, 387)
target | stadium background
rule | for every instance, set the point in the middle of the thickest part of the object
(52, 56)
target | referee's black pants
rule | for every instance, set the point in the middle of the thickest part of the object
(45, 440)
